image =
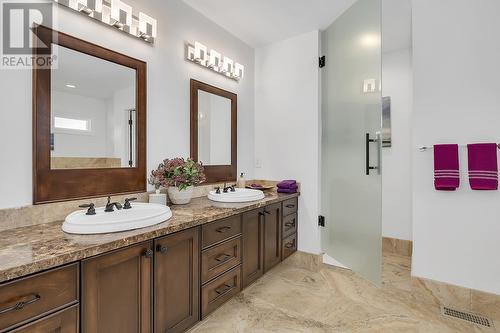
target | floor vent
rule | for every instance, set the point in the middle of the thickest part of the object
(467, 316)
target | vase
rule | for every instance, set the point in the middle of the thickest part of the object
(158, 198)
(179, 197)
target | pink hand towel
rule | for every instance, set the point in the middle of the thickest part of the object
(446, 171)
(483, 166)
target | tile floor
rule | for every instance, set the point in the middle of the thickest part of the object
(291, 299)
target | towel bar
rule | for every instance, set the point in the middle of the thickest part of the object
(426, 148)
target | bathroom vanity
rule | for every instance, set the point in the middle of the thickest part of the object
(163, 278)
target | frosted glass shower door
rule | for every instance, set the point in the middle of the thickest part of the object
(351, 187)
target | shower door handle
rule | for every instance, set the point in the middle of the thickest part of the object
(378, 141)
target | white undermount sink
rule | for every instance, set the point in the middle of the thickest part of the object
(141, 215)
(239, 195)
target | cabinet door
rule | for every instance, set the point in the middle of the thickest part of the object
(177, 281)
(116, 291)
(253, 246)
(65, 321)
(272, 236)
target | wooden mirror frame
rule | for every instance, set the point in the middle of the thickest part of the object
(214, 173)
(52, 185)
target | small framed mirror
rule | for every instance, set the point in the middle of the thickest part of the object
(213, 131)
(89, 120)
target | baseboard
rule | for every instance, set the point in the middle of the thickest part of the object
(397, 246)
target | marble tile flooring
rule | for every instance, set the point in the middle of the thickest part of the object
(291, 299)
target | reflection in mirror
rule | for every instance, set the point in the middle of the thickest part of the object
(214, 129)
(93, 117)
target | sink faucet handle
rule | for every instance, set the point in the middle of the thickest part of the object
(232, 188)
(91, 208)
(217, 190)
(127, 203)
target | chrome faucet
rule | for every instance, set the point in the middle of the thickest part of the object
(109, 206)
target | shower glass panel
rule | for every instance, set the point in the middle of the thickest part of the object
(351, 190)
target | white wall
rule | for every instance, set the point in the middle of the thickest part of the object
(168, 90)
(287, 124)
(456, 99)
(396, 179)
(74, 143)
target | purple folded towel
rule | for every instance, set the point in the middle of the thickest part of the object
(287, 190)
(483, 166)
(287, 184)
(446, 171)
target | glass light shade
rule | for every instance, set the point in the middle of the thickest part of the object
(190, 52)
(200, 53)
(228, 67)
(239, 70)
(215, 60)
(78, 4)
(144, 20)
(116, 7)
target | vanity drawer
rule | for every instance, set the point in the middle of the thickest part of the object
(220, 258)
(289, 246)
(65, 321)
(216, 232)
(38, 295)
(290, 206)
(289, 225)
(220, 290)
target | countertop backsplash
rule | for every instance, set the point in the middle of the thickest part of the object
(39, 214)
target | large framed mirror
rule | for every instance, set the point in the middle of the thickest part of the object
(89, 121)
(213, 131)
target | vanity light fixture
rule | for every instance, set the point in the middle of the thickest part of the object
(117, 14)
(198, 53)
(72, 86)
(215, 60)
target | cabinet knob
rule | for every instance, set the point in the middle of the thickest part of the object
(149, 253)
(162, 249)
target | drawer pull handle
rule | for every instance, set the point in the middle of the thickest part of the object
(223, 229)
(290, 245)
(223, 289)
(21, 305)
(267, 212)
(290, 206)
(223, 257)
(162, 249)
(289, 224)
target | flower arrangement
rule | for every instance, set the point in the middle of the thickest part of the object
(177, 172)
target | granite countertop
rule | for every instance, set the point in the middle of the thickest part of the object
(35, 248)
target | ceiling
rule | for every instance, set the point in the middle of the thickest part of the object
(262, 22)
(90, 76)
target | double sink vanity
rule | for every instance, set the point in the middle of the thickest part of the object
(145, 267)
(163, 278)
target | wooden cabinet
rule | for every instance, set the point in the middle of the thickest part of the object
(65, 321)
(177, 281)
(164, 285)
(253, 246)
(38, 295)
(289, 228)
(220, 290)
(272, 236)
(116, 291)
(220, 258)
